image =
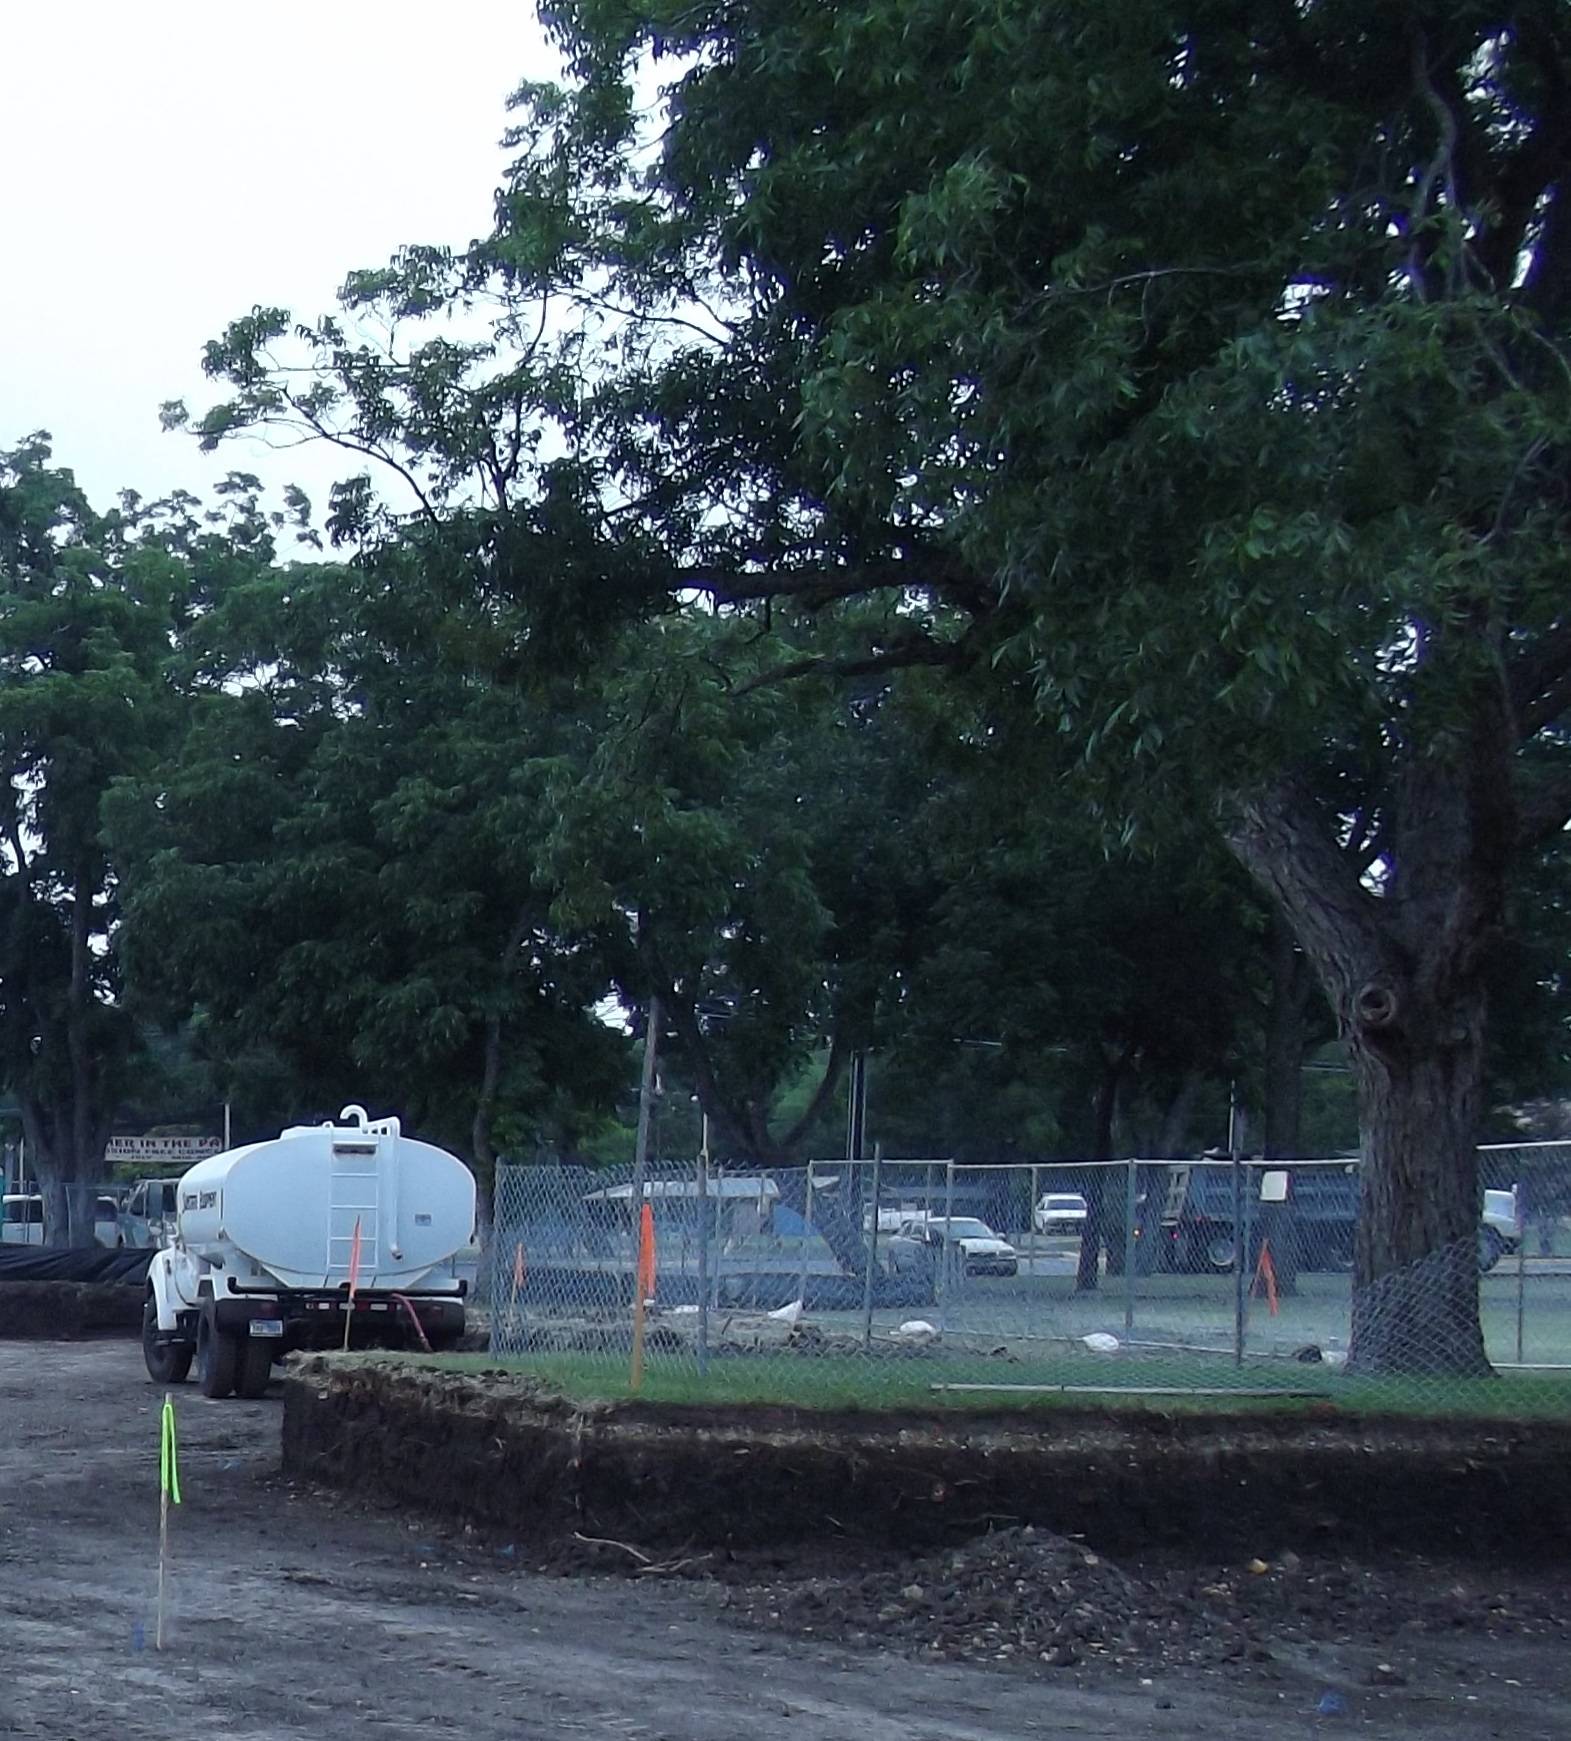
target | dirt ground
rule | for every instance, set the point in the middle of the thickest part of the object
(299, 1614)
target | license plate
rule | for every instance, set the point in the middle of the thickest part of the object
(267, 1326)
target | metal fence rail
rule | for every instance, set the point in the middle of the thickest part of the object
(895, 1275)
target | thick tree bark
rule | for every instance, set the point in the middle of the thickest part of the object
(48, 1162)
(1292, 984)
(1287, 1027)
(1415, 1266)
(1403, 970)
(1174, 1137)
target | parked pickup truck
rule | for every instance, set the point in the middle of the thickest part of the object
(1197, 1229)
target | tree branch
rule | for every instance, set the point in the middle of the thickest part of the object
(826, 584)
(684, 1018)
(901, 654)
(350, 445)
(834, 1065)
(1281, 839)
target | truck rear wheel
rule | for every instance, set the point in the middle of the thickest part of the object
(254, 1370)
(1492, 1246)
(167, 1362)
(217, 1358)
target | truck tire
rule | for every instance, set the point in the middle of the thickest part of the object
(1492, 1246)
(167, 1362)
(217, 1358)
(1220, 1249)
(254, 1370)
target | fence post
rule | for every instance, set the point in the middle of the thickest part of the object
(487, 1269)
(1031, 1223)
(1519, 1197)
(945, 1250)
(1238, 1259)
(703, 1252)
(647, 1089)
(1129, 1246)
(872, 1251)
(807, 1232)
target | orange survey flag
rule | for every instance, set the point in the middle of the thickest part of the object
(354, 1280)
(1265, 1270)
(646, 1253)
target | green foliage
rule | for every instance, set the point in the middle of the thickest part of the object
(335, 865)
(89, 605)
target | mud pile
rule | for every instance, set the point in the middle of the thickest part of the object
(1029, 1599)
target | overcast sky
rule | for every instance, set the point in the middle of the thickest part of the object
(171, 164)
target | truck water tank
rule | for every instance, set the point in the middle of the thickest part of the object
(291, 1206)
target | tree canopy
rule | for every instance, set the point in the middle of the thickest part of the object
(1196, 375)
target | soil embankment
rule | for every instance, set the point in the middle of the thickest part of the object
(49, 1311)
(497, 1450)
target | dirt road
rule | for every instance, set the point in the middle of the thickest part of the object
(295, 1615)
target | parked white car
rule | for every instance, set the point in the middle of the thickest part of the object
(982, 1252)
(1060, 1212)
(22, 1220)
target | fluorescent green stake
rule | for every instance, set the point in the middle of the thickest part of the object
(168, 1460)
(168, 1489)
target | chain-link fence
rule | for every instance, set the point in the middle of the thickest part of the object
(873, 1280)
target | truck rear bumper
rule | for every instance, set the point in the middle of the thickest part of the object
(315, 1319)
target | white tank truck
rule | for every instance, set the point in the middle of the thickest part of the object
(263, 1242)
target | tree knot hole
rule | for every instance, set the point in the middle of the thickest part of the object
(1375, 1005)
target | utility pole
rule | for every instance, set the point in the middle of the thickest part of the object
(646, 1103)
(646, 1098)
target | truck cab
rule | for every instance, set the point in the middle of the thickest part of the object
(148, 1220)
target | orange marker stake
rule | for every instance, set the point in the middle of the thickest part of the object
(518, 1284)
(354, 1280)
(1265, 1270)
(643, 1292)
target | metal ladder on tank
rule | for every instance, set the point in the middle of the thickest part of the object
(354, 1194)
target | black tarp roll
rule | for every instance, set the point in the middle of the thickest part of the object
(43, 1263)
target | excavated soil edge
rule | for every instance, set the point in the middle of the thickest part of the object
(52, 1311)
(498, 1450)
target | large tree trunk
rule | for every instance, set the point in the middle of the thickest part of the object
(49, 1166)
(1415, 1264)
(53, 1187)
(1292, 984)
(1403, 969)
(1174, 1136)
(1292, 987)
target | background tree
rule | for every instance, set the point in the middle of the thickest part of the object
(334, 865)
(88, 605)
